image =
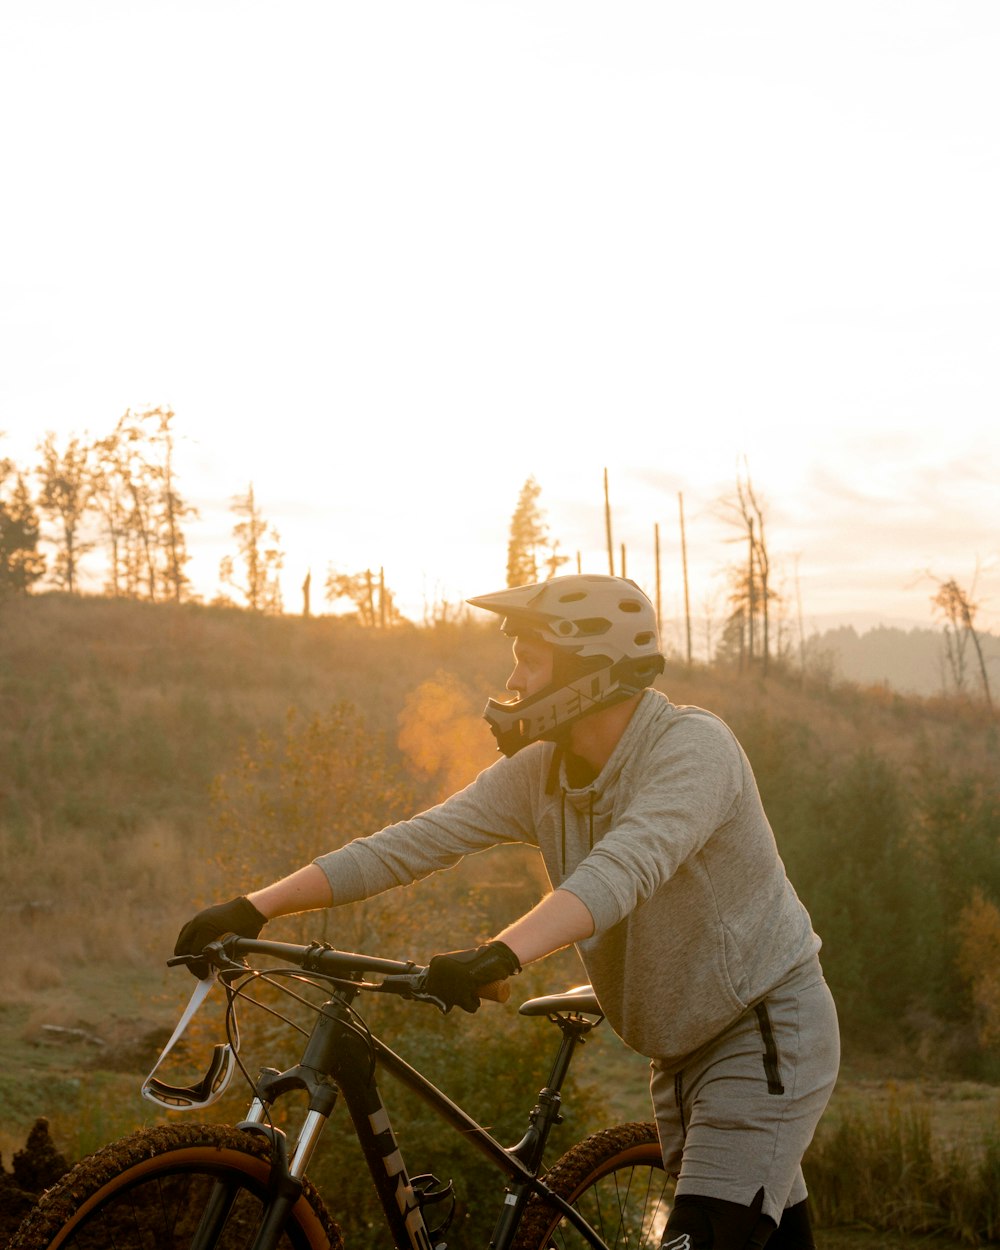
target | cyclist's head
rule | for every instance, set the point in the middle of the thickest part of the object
(602, 631)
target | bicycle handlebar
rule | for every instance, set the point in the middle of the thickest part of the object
(403, 978)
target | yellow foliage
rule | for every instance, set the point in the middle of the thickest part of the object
(979, 963)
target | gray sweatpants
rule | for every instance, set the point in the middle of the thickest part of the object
(740, 1113)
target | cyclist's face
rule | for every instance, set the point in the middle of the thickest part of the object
(532, 667)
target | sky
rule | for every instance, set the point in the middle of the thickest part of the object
(387, 261)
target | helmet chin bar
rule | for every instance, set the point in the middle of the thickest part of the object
(546, 714)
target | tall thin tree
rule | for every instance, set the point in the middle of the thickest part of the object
(607, 525)
(684, 566)
(65, 497)
(260, 554)
(959, 609)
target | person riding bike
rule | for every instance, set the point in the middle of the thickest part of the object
(665, 876)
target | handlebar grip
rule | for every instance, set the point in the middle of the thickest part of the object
(495, 991)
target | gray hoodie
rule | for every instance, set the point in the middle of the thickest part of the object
(670, 851)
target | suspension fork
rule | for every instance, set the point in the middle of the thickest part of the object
(287, 1175)
(338, 1058)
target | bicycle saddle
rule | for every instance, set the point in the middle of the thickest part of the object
(580, 998)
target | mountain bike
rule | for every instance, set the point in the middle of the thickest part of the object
(204, 1186)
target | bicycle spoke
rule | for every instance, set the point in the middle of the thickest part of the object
(627, 1209)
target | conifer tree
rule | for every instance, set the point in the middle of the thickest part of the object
(21, 563)
(528, 548)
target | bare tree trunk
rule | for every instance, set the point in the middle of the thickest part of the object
(751, 604)
(656, 558)
(607, 525)
(370, 585)
(142, 528)
(982, 663)
(175, 576)
(802, 637)
(684, 565)
(305, 593)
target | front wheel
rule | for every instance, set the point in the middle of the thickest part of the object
(187, 1187)
(616, 1180)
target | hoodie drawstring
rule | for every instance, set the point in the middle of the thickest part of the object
(562, 822)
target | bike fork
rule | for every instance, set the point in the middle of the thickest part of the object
(285, 1182)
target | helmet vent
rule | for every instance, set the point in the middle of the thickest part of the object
(593, 625)
(575, 597)
(630, 605)
(644, 639)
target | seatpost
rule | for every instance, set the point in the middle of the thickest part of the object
(544, 1115)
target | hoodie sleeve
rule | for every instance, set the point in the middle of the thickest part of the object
(494, 808)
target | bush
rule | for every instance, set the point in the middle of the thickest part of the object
(885, 1169)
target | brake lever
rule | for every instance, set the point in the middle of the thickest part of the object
(218, 958)
(410, 985)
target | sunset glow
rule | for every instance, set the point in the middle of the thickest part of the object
(386, 262)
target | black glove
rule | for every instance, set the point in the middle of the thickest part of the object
(237, 916)
(454, 978)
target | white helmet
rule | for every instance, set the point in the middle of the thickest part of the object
(606, 650)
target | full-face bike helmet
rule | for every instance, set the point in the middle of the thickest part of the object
(604, 633)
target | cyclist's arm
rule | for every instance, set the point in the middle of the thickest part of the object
(557, 921)
(305, 890)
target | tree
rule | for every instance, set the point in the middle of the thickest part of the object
(112, 500)
(529, 546)
(752, 592)
(262, 563)
(173, 509)
(66, 496)
(136, 493)
(375, 609)
(959, 611)
(21, 563)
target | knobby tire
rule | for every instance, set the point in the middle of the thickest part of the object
(616, 1180)
(153, 1187)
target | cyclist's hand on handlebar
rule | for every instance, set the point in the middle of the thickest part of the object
(238, 916)
(454, 978)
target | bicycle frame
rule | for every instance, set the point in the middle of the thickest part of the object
(338, 1060)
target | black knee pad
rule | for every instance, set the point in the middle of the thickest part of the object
(794, 1232)
(700, 1223)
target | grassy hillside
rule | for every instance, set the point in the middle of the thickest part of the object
(158, 756)
(118, 718)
